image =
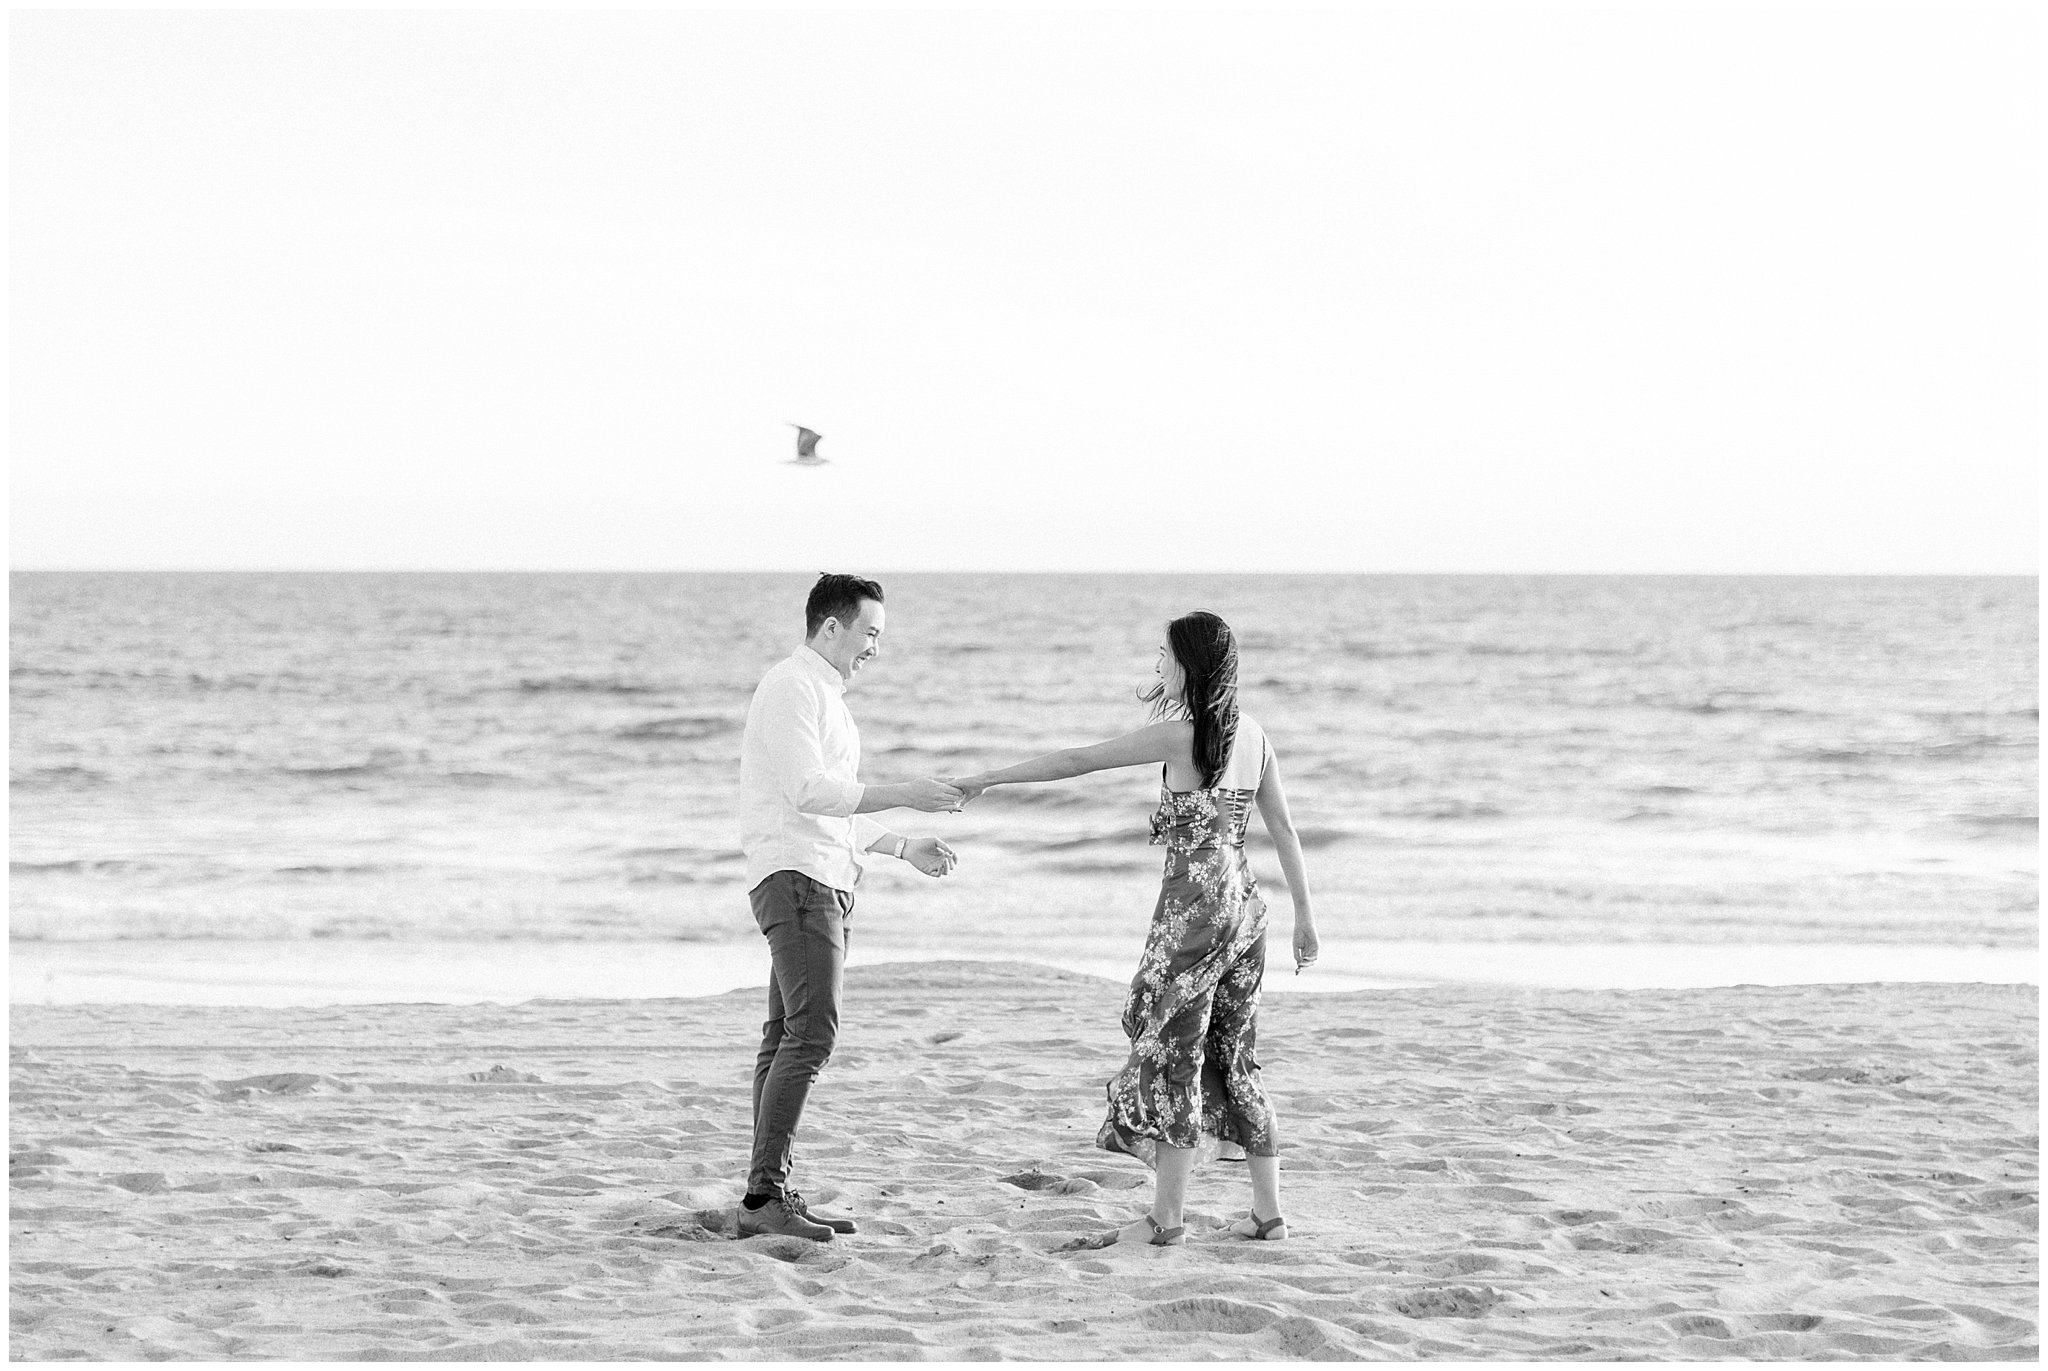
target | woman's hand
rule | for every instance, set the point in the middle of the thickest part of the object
(970, 788)
(1306, 946)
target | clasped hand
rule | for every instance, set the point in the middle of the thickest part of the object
(943, 794)
(970, 789)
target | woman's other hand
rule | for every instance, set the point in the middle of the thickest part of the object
(1306, 945)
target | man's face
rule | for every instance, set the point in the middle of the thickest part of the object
(849, 646)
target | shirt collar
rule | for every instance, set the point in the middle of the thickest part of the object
(812, 661)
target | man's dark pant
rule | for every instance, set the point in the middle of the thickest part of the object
(805, 922)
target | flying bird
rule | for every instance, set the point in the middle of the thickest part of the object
(806, 448)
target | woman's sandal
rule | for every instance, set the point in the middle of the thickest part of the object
(1264, 1227)
(1166, 1237)
(1161, 1237)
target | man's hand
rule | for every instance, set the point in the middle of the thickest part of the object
(929, 855)
(933, 795)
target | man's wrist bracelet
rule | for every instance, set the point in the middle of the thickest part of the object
(901, 843)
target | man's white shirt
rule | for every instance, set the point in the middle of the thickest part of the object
(798, 760)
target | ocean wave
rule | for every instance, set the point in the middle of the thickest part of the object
(1449, 809)
(1996, 824)
(1037, 797)
(1381, 652)
(1908, 752)
(586, 685)
(342, 869)
(680, 728)
(197, 869)
(1974, 716)
(321, 773)
(58, 778)
(477, 780)
(412, 770)
(1712, 702)
(1101, 866)
(695, 854)
(953, 753)
(1080, 842)
(1982, 742)
(673, 877)
(1715, 706)
(81, 866)
(1554, 650)
(240, 681)
(1312, 837)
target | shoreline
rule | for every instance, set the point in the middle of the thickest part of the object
(292, 973)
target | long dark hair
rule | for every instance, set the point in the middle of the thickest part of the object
(1207, 652)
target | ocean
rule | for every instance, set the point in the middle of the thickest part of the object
(549, 758)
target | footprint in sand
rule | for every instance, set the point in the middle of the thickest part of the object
(1700, 1326)
(1786, 1323)
(1032, 1179)
(281, 1083)
(721, 1221)
(1051, 1182)
(680, 1232)
(1448, 1302)
(1206, 1314)
(1111, 1180)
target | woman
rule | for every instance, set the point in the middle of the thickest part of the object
(1191, 1013)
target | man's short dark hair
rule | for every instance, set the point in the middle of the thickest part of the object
(837, 597)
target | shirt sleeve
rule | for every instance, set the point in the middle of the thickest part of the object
(865, 831)
(796, 754)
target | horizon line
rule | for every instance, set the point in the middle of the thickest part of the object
(960, 571)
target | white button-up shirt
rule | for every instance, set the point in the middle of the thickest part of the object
(798, 760)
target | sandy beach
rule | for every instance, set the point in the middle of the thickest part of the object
(1485, 1172)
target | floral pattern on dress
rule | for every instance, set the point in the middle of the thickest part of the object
(1192, 1079)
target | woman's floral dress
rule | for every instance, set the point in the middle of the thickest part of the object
(1192, 1011)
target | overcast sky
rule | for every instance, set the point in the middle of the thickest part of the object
(1422, 288)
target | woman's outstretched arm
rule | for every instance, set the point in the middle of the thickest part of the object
(1152, 743)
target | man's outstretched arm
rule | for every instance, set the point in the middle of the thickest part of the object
(930, 794)
(796, 749)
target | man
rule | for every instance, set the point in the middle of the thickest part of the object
(804, 836)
